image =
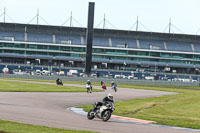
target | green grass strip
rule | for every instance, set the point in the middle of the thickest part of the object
(14, 127)
(14, 86)
(182, 110)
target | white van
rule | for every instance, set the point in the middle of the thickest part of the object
(38, 72)
(45, 72)
(149, 78)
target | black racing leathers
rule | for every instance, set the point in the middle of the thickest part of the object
(106, 99)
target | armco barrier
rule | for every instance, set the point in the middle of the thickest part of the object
(106, 80)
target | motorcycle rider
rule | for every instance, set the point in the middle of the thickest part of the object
(103, 85)
(88, 82)
(88, 85)
(113, 84)
(108, 98)
(59, 81)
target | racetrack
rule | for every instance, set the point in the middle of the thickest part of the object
(50, 109)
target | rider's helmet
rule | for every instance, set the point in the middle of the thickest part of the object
(112, 82)
(88, 81)
(110, 96)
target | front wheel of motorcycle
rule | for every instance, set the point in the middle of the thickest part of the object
(106, 115)
(90, 115)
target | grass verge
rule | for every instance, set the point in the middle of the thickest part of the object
(14, 127)
(182, 110)
(14, 86)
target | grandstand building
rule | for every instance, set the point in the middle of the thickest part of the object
(112, 49)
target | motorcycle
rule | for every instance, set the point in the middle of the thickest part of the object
(103, 86)
(103, 112)
(89, 88)
(59, 82)
(114, 87)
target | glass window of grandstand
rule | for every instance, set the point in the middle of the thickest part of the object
(155, 54)
(142, 53)
(195, 62)
(8, 51)
(110, 51)
(132, 52)
(78, 49)
(42, 47)
(98, 56)
(110, 57)
(65, 48)
(19, 52)
(30, 52)
(75, 55)
(128, 58)
(142, 59)
(41, 53)
(14, 51)
(63, 54)
(123, 52)
(119, 58)
(82, 55)
(31, 46)
(165, 55)
(153, 60)
(53, 47)
(177, 55)
(18, 45)
(197, 57)
(53, 54)
(10, 45)
(132, 58)
(98, 50)
(189, 56)
(177, 61)
(165, 61)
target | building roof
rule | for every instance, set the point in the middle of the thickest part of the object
(48, 29)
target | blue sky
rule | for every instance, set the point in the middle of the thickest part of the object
(153, 14)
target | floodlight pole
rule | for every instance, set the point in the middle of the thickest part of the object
(137, 24)
(90, 31)
(4, 15)
(170, 25)
(37, 16)
(104, 21)
(71, 20)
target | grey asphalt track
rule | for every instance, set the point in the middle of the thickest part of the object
(50, 109)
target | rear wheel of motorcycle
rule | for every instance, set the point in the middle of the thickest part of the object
(90, 115)
(106, 115)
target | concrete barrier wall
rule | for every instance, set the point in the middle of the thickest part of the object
(106, 80)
